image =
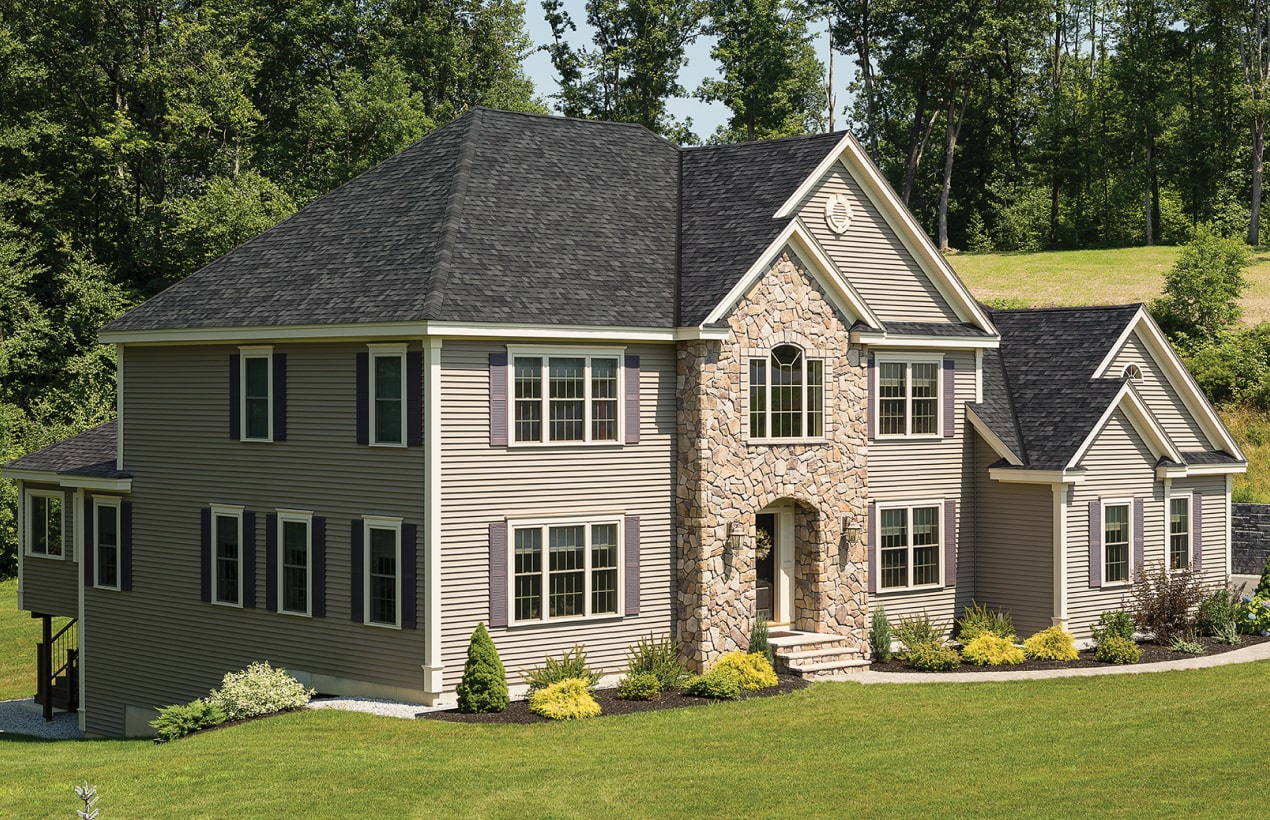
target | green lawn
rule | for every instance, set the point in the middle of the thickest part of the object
(19, 633)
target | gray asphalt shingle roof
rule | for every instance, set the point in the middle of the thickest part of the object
(91, 454)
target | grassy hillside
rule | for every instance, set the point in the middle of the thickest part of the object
(19, 633)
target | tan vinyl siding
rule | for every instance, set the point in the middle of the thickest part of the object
(160, 643)
(481, 485)
(1014, 553)
(51, 585)
(1120, 466)
(1216, 534)
(1165, 403)
(921, 469)
(872, 258)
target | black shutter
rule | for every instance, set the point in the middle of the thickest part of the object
(363, 398)
(205, 554)
(279, 397)
(90, 553)
(871, 397)
(235, 397)
(414, 398)
(271, 562)
(249, 559)
(125, 546)
(357, 609)
(498, 573)
(409, 577)
(319, 568)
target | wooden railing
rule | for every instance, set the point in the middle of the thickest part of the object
(57, 668)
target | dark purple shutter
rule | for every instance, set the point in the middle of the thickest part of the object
(249, 559)
(1138, 540)
(871, 410)
(1095, 544)
(235, 397)
(950, 397)
(498, 400)
(1197, 533)
(632, 404)
(363, 398)
(279, 397)
(271, 562)
(414, 398)
(632, 565)
(409, 576)
(125, 546)
(874, 568)
(318, 556)
(357, 611)
(950, 542)
(205, 554)
(89, 558)
(498, 573)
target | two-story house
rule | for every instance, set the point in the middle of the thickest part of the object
(571, 380)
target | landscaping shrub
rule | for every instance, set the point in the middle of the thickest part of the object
(572, 664)
(880, 635)
(259, 690)
(640, 686)
(1115, 623)
(978, 620)
(659, 657)
(568, 699)
(751, 671)
(989, 649)
(933, 657)
(719, 684)
(1254, 615)
(1164, 602)
(185, 718)
(915, 630)
(1186, 644)
(1219, 614)
(484, 684)
(758, 641)
(1052, 644)
(1201, 292)
(1115, 649)
(1263, 586)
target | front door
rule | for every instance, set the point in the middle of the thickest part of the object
(765, 566)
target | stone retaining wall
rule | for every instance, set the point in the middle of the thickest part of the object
(1250, 538)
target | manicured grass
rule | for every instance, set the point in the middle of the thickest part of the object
(1094, 277)
(19, 633)
(1251, 428)
(1137, 745)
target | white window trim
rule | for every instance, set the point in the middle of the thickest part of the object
(876, 400)
(235, 512)
(1102, 542)
(824, 398)
(938, 504)
(304, 517)
(255, 352)
(114, 503)
(546, 353)
(514, 524)
(1125, 373)
(387, 351)
(376, 522)
(28, 536)
(1190, 529)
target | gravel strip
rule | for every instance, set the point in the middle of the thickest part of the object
(374, 706)
(24, 717)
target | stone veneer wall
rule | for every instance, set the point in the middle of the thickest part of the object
(724, 479)
(1250, 538)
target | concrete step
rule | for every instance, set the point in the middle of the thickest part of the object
(815, 655)
(800, 640)
(825, 669)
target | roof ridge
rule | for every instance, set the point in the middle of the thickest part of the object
(435, 297)
(585, 120)
(752, 143)
(1014, 411)
(1069, 308)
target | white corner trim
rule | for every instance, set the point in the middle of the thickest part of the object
(994, 441)
(809, 184)
(1060, 554)
(433, 666)
(118, 408)
(1140, 417)
(979, 375)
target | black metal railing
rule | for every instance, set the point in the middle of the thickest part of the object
(57, 667)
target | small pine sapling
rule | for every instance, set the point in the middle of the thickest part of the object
(880, 635)
(758, 641)
(484, 684)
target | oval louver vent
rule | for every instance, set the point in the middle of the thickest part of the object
(838, 213)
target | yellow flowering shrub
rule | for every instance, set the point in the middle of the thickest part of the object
(751, 671)
(568, 699)
(1053, 644)
(992, 650)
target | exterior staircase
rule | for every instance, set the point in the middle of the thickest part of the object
(814, 656)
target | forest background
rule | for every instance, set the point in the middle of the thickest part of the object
(140, 139)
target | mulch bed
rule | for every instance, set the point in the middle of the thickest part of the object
(1151, 653)
(611, 704)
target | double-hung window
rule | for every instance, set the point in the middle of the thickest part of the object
(787, 395)
(908, 396)
(295, 562)
(1116, 537)
(44, 523)
(388, 395)
(565, 569)
(564, 397)
(227, 555)
(909, 546)
(257, 395)
(383, 572)
(1179, 532)
(106, 542)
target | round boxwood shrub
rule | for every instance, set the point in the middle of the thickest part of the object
(640, 686)
(752, 671)
(989, 649)
(569, 699)
(933, 657)
(718, 683)
(484, 684)
(1052, 644)
(1115, 649)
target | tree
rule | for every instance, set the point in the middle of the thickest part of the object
(484, 684)
(1201, 292)
(853, 31)
(1253, 28)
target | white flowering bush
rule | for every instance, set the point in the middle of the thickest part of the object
(259, 690)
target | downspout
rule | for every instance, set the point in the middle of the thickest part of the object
(432, 669)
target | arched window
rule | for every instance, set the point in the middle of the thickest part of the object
(1133, 373)
(787, 395)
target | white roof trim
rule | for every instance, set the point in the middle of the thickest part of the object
(901, 221)
(881, 339)
(1140, 417)
(808, 250)
(998, 446)
(71, 481)
(1179, 377)
(1009, 475)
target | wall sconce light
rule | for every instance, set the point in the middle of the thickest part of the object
(735, 539)
(851, 530)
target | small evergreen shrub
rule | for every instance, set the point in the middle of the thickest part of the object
(186, 718)
(1186, 644)
(1052, 644)
(718, 684)
(751, 671)
(915, 630)
(1164, 601)
(572, 664)
(640, 686)
(659, 657)
(1115, 623)
(259, 690)
(484, 684)
(1263, 586)
(1115, 649)
(1218, 612)
(978, 620)
(758, 641)
(880, 635)
(933, 657)
(568, 699)
(989, 649)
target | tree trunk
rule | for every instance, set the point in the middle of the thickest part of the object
(1258, 157)
(1146, 196)
(916, 147)
(950, 147)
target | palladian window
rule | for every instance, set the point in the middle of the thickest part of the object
(787, 395)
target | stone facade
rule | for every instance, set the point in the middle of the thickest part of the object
(725, 479)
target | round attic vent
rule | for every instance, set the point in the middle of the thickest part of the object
(838, 213)
(1132, 372)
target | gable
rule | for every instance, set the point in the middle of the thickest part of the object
(871, 256)
(1160, 395)
(1119, 454)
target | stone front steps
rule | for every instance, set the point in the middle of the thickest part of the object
(811, 656)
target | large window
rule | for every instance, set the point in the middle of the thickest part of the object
(295, 562)
(44, 523)
(908, 397)
(787, 395)
(106, 542)
(909, 546)
(257, 381)
(1115, 543)
(565, 569)
(1179, 532)
(383, 570)
(227, 556)
(566, 397)
(388, 395)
